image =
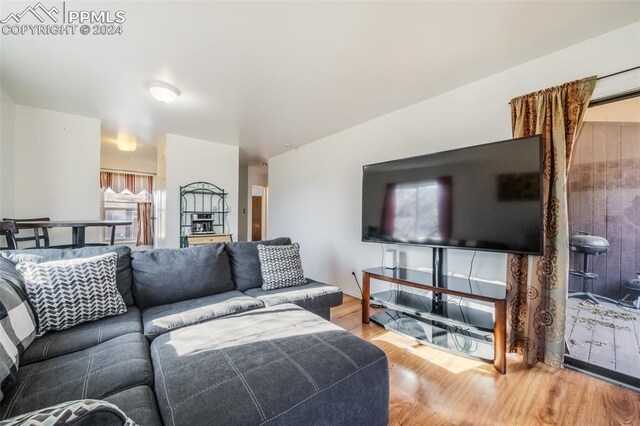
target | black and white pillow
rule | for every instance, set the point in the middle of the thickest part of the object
(17, 331)
(65, 293)
(80, 412)
(280, 266)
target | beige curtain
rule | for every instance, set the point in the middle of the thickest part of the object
(118, 182)
(145, 227)
(537, 285)
(106, 180)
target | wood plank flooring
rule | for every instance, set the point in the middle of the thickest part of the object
(433, 387)
(604, 335)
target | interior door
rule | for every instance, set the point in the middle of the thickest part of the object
(256, 218)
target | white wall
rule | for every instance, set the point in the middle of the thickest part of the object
(190, 160)
(57, 168)
(128, 161)
(143, 160)
(7, 162)
(315, 190)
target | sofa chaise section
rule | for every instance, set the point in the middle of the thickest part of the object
(94, 373)
(314, 296)
(161, 319)
(276, 365)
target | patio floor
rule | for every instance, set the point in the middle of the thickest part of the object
(607, 335)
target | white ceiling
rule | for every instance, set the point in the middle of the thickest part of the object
(264, 74)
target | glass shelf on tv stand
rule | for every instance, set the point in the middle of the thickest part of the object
(452, 311)
(435, 333)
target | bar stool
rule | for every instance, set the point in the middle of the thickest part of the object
(8, 230)
(37, 236)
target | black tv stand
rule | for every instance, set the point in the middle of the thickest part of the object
(438, 266)
(439, 319)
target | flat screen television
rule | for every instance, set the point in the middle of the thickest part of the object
(485, 197)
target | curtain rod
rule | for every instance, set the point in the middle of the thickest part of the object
(610, 75)
(618, 72)
(126, 171)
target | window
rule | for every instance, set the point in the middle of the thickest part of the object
(123, 206)
(411, 199)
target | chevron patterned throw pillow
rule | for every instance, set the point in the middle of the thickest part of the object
(281, 266)
(65, 293)
(80, 412)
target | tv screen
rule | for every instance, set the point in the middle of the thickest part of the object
(485, 197)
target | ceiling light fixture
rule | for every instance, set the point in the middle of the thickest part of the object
(127, 143)
(163, 92)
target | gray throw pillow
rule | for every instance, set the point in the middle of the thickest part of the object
(82, 412)
(245, 264)
(65, 293)
(281, 266)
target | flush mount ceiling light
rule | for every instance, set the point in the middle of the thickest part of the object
(163, 92)
(127, 143)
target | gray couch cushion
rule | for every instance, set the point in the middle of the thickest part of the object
(160, 319)
(312, 296)
(93, 373)
(139, 404)
(278, 365)
(83, 336)
(164, 276)
(245, 265)
(123, 268)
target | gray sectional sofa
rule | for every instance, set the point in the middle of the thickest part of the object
(201, 343)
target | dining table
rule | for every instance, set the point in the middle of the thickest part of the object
(78, 227)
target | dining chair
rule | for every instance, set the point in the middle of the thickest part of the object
(8, 230)
(37, 236)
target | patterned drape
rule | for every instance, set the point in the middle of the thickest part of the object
(145, 227)
(118, 182)
(106, 180)
(537, 285)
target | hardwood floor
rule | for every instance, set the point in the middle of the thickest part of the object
(433, 387)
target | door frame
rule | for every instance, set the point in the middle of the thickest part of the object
(581, 365)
